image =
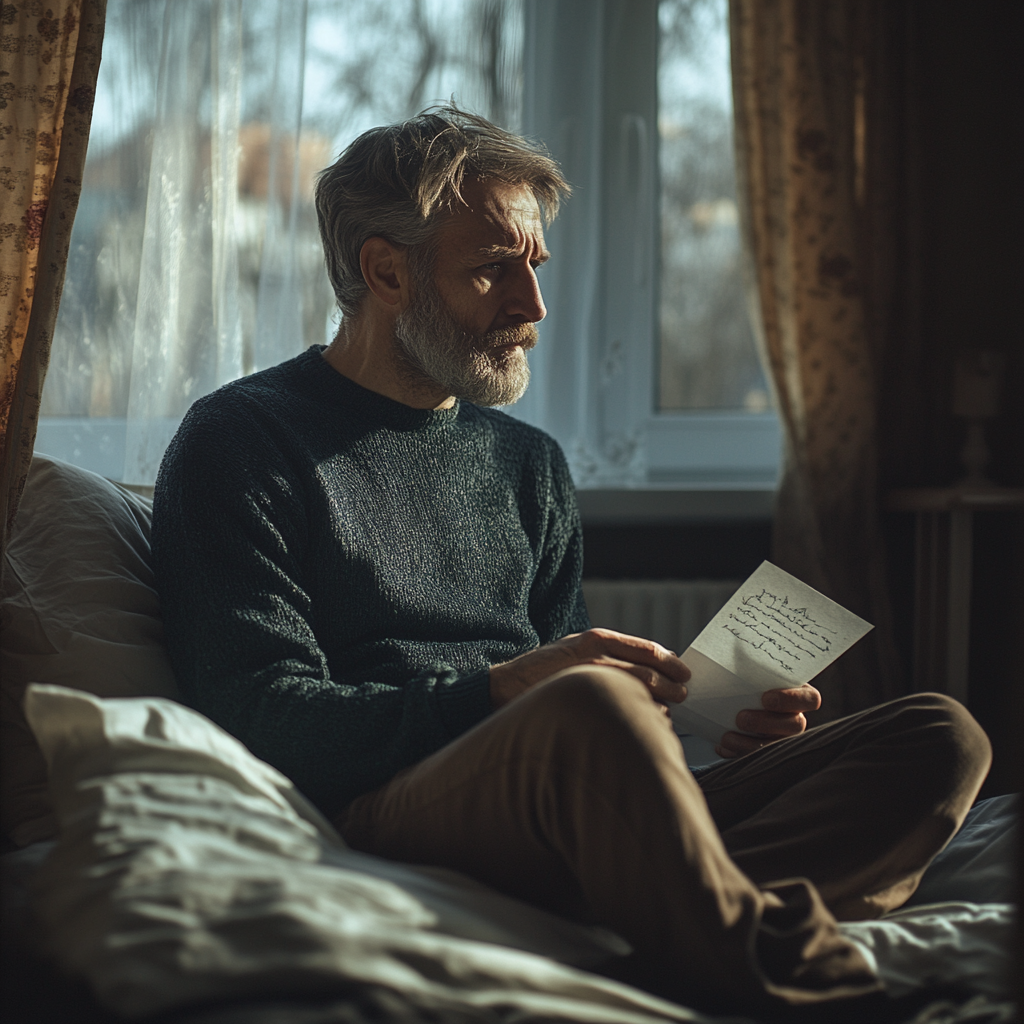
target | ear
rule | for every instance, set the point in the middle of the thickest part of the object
(385, 270)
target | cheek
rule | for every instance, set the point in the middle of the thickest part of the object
(479, 315)
(474, 302)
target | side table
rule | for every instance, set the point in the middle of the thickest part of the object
(943, 542)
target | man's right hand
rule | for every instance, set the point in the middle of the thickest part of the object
(657, 668)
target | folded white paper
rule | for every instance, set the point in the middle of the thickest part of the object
(774, 633)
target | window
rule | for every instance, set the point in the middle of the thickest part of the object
(707, 356)
(195, 256)
(649, 376)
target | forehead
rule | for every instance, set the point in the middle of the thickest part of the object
(493, 215)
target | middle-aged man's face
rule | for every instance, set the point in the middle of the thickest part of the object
(470, 326)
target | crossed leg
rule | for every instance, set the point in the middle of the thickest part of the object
(858, 806)
(575, 797)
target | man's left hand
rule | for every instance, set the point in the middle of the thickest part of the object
(782, 715)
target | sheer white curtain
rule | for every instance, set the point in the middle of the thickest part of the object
(188, 334)
(591, 95)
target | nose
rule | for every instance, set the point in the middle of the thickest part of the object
(525, 304)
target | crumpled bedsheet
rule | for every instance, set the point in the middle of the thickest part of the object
(966, 944)
(189, 871)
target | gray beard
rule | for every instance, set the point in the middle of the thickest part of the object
(438, 350)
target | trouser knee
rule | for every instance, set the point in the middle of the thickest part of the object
(600, 707)
(956, 729)
(959, 751)
(596, 693)
(967, 742)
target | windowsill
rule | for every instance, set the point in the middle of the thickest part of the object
(96, 443)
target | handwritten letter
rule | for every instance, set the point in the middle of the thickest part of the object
(774, 632)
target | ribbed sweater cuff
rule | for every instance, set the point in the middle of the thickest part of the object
(465, 702)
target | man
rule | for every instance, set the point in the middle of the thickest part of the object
(373, 579)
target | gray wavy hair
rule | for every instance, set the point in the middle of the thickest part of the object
(394, 182)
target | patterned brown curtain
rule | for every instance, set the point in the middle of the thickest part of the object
(49, 60)
(808, 81)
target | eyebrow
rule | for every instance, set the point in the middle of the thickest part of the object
(508, 253)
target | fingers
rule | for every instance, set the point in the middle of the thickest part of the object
(658, 668)
(795, 701)
(663, 689)
(633, 649)
(735, 744)
(767, 727)
(770, 724)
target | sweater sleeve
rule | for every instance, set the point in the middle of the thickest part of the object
(557, 607)
(230, 539)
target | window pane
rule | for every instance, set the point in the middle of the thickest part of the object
(707, 357)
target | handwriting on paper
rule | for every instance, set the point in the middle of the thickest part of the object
(783, 633)
(777, 631)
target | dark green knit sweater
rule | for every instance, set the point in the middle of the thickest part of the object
(337, 571)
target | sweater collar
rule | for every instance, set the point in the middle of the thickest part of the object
(369, 405)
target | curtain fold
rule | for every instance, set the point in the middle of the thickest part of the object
(187, 337)
(229, 258)
(49, 62)
(812, 183)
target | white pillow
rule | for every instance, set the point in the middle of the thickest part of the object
(188, 870)
(78, 609)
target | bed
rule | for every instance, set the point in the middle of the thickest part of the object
(158, 871)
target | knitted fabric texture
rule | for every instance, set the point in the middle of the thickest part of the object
(337, 571)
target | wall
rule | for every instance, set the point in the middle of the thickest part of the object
(964, 94)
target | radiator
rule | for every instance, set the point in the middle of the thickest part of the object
(672, 612)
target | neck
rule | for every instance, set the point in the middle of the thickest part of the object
(364, 350)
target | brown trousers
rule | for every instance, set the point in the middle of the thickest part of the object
(575, 797)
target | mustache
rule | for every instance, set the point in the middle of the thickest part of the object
(524, 335)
